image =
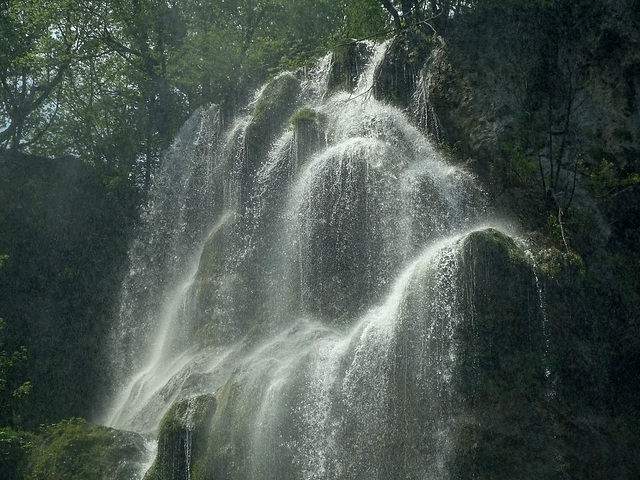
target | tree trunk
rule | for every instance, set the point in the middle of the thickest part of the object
(394, 13)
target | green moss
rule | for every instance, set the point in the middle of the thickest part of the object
(518, 164)
(303, 116)
(73, 450)
(275, 103)
(497, 243)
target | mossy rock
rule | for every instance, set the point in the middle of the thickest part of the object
(343, 253)
(74, 450)
(503, 366)
(349, 61)
(182, 439)
(470, 362)
(304, 116)
(308, 130)
(400, 70)
(502, 337)
(270, 113)
(225, 299)
(228, 435)
(210, 302)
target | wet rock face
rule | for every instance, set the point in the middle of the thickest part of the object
(508, 70)
(349, 62)
(398, 75)
(182, 439)
(503, 425)
(272, 110)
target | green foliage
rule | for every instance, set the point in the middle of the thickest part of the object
(553, 262)
(606, 178)
(14, 448)
(233, 46)
(45, 41)
(574, 230)
(364, 18)
(73, 450)
(112, 83)
(519, 167)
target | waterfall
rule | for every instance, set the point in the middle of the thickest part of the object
(321, 271)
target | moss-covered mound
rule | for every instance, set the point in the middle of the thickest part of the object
(307, 131)
(211, 305)
(272, 110)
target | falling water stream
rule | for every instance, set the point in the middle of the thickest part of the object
(303, 264)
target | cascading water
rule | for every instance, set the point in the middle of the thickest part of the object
(319, 268)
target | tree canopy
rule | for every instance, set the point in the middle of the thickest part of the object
(112, 81)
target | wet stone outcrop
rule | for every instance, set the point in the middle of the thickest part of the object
(398, 76)
(182, 439)
(349, 61)
(513, 73)
(503, 376)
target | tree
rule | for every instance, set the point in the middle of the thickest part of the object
(43, 41)
(231, 47)
(78, 78)
(414, 12)
(364, 18)
(144, 33)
